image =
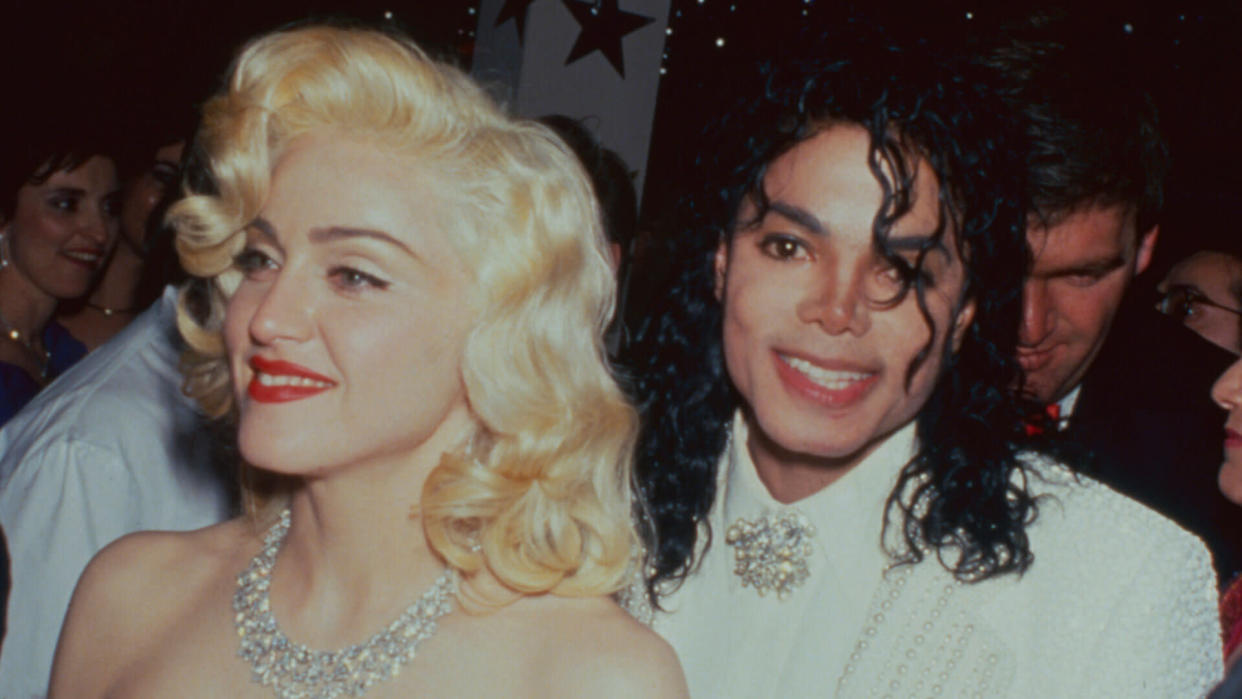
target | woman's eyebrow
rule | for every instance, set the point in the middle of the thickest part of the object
(264, 227)
(331, 233)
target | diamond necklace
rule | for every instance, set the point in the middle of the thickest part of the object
(294, 670)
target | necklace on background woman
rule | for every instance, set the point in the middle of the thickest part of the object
(294, 670)
(43, 356)
(109, 311)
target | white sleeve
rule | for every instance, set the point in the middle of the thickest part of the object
(65, 502)
(1162, 638)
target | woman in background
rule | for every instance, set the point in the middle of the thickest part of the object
(409, 294)
(120, 295)
(58, 222)
(1228, 394)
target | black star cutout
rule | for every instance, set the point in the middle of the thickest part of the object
(603, 25)
(515, 10)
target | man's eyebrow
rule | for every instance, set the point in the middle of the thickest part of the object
(800, 216)
(72, 191)
(331, 233)
(1088, 268)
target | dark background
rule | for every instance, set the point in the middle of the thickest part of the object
(1188, 53)
(148, 62)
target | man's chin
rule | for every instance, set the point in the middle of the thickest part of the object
(1042, 390)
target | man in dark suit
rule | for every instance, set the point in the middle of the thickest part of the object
(1125, 383)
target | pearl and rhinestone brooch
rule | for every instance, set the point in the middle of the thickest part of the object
(770, 553)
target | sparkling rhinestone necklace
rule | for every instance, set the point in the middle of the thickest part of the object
(293, 670)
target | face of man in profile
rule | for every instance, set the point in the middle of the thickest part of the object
(1083, 264)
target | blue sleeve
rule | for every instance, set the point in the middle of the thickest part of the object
(16, 390)
(65, 349)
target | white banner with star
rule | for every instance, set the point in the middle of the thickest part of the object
(594, 60)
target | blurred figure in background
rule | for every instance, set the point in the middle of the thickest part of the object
(117, 299)
(614, 189)
(59, 206)
(1228, 394)
(1204, 292)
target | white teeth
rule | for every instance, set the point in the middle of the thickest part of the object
(287, 380)
(83, 256)
(831, 380)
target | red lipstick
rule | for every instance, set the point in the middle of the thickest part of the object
(284, 391)
(799, 384)
(1233, 440)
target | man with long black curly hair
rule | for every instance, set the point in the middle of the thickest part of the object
(840, 493)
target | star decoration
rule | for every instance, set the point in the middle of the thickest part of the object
(603, 26)
(515, 10)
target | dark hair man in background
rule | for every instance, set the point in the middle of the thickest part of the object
(1122, 380)
(618, 201)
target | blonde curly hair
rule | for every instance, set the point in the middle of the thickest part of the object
(540, 496)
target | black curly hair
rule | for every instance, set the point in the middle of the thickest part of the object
(964, 494)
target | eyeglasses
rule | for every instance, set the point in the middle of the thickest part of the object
(1185, 302)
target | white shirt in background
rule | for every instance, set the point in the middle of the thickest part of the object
(109, 448)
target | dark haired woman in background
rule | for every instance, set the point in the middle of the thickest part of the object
(58, 219)
(832, 451)
(120, 295)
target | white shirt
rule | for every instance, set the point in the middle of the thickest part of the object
(109, 448)
(1118, 602)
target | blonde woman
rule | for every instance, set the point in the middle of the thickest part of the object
(409, 294)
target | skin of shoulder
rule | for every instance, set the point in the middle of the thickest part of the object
(131, 594)
(139, 594)
(601, 651)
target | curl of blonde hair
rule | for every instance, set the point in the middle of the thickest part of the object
(539, 497)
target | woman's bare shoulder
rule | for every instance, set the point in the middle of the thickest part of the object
(133, 590)
(602, 651)
(148, 561)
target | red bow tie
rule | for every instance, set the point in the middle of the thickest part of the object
(1051, 415)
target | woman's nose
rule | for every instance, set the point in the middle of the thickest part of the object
(1227, 391)
(282, 310)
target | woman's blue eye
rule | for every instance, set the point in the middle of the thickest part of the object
(251, 260)
(353, 279)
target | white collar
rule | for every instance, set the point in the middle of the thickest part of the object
(1068, 402)
(848, 515)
